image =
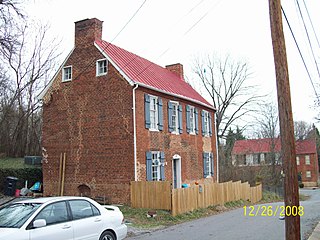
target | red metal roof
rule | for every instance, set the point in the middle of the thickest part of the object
(264, 146)
(148, 74)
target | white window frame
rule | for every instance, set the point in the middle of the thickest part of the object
(206, 123)
(98, 67)
(175, 115)
(154, 110)
(64, 69)
(298, 160)
(192, 120)
(307, 159)
(308, 174)
(156, 163)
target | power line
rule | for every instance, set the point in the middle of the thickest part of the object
(305, 27)
(105, 48)
(300, 52)
(311, 23)
(185, 33)
(136, 12)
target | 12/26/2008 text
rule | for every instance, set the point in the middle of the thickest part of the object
(269, 211)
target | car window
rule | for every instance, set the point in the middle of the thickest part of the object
(95, 210)
(54, 213)
(82, 209)
(15, 215)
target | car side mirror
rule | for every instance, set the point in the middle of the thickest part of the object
(39, 223)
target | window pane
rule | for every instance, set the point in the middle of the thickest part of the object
(155, 166)
(153, 113)
(102, 67)
(80, 209)
(9, 213)
(54, 213)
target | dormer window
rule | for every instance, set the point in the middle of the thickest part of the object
(101, 67)
(67, 74)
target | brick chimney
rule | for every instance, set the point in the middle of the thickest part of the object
(177, 69)
(87, 31)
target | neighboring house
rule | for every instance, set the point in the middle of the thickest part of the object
(121, 118)
(256, 152)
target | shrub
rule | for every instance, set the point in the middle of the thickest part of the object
(32, 175)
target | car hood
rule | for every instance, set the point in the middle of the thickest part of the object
(7, 232)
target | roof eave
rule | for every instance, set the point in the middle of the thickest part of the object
(46, 88)
(132, 82)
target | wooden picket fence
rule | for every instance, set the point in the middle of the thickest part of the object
(160, 195)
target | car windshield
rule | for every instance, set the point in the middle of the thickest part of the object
(15, 215)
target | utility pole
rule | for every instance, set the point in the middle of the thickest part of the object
(291, 194)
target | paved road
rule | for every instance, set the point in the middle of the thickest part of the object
(234, 225)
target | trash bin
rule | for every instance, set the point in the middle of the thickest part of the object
(10, 186)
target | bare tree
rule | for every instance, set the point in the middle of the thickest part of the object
(226, 82)
(267, 121)
(10, 15)
(29, 64)
(302, 130)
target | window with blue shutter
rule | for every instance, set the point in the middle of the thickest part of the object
(162, 161)
(188, 118)
(155, 166)
(196, 120)
(206, 123)
(170, 110)
(180, 118)
(212, 163)
(208, 164)
(202, 122)
(210, 124)
(149, 165)
(147, 110)
(205, 165)
(160, 114)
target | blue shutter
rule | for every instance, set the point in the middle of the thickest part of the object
(196, 120)
(210, 124)
(180, 118)
(205, 171)
(147, 110)
(202, 122)
(160, 114)
(149, 165)
(188, 118)
(162, 161)
(170, 109)
(212, 164)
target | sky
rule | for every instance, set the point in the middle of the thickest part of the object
(167, 32)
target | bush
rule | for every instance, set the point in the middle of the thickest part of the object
(31, 174)
(301, 185)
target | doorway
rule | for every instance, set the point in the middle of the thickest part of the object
(176, 171)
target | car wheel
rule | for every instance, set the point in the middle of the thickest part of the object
(107, 235)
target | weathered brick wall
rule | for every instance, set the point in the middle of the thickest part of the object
(90, 119)
(189, 147)
(313, 167)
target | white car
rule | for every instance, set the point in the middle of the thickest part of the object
(61, 218)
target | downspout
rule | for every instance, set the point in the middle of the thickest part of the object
(217, 147)
(134, 131)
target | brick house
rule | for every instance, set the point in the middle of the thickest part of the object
(121, 118)
(257, 152)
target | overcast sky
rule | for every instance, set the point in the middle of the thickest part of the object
(187, 28)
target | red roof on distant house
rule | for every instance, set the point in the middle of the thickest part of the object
(148, 74)
(264, 146)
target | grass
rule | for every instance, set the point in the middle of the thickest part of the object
(14, 163)
(138, 217)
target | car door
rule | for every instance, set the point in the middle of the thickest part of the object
(58, 224)
(87, 221)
